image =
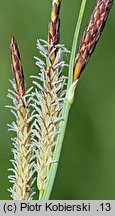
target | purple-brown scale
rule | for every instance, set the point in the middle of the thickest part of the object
(17, 67)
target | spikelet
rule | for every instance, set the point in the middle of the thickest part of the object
(22, 162)
(49, 97)
(91, 35)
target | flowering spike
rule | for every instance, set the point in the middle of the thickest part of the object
(49, 98)
(91, 35)
(48, 104)
(22, 164)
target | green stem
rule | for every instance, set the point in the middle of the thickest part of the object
(75, 42)
(66, 108)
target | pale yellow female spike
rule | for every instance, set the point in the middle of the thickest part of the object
(23, 169)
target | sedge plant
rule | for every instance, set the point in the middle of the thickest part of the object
(39, 134)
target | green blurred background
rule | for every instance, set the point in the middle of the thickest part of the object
(87, 164)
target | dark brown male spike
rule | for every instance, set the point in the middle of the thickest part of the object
(91, 35)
